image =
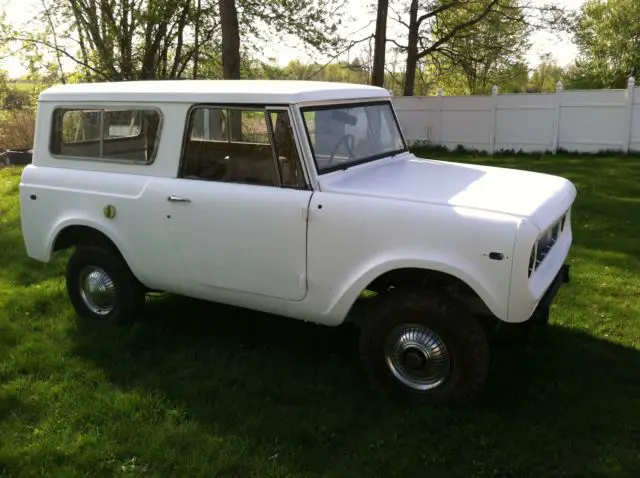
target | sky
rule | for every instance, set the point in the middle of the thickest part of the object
(20, 12)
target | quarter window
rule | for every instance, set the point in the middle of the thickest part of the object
(110, 134)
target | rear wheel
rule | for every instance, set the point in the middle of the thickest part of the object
(420, 346)
(102, 288)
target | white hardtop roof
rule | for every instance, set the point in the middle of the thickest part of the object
(206, 91)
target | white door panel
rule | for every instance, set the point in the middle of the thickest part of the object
(241, 237)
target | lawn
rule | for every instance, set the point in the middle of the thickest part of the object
(198, 389)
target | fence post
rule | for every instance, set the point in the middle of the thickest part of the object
(631, 86)
(440, 101)
(556, 117)
(492, 125)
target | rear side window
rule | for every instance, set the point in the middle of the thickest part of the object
(106, 134)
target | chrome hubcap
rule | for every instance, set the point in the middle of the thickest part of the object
(417, 356)
(97, 290)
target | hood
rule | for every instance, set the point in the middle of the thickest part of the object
(541, 198)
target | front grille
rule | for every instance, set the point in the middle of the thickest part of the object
(545, 243)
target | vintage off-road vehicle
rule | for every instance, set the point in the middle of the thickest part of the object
(293, 198)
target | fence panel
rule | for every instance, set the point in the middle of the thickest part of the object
(583, 120)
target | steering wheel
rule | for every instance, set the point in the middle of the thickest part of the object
(348, 141)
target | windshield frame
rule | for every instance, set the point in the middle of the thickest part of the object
(351, 104)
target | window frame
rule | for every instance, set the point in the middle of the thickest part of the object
(264, 108)
(349, 103)
(296, 141)
(102, 107)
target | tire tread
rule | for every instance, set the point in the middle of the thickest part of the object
(437, 311)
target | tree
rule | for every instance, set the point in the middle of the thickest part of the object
(123, 39)
(488, 51)
(230, 40)
(546, 75)
(377, 77)
(311, 21)
(434, 26)
(607, 34)
(430, 30)
(153, 39)
(514, 79)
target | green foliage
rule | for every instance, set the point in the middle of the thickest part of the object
(475, 43)
(546, 75)
(513, 79)
(18, 95)
(486, 53)
(17, 127)
(607, 34)
(311, 21)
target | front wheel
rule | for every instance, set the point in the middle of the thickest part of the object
(419, 346)
(102, 288)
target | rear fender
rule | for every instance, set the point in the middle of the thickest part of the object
(100, 228)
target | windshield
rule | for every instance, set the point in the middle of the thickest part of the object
(345, 135)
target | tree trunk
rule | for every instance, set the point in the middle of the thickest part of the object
(231, 57)
(377, 76)
(230, 40)
(412, 51)
(196, 53)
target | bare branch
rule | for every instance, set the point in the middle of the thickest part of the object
(436, 11)
(402, 47)
(63, 78)
(57, 49)
(351, 45)
(458, 28)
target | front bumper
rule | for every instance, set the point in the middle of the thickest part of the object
(541, 313)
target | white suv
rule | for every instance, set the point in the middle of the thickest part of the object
(299, 199)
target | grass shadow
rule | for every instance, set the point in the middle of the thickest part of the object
(566, 402)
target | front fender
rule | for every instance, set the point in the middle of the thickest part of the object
(496, 274)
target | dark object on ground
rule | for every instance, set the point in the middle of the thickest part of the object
(16, 157)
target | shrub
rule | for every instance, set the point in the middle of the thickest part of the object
(17, 129)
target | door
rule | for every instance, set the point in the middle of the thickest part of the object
(238, 210)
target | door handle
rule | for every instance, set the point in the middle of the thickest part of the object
(177, 199)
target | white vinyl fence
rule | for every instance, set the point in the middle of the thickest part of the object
(577, 120)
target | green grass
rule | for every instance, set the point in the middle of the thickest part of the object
(198, 389)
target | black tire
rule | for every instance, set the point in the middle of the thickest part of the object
(463, 337)
(128, 298)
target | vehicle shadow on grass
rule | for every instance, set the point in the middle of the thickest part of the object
(294, 394)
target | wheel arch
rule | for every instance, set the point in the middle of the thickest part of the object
(74, 234)
(462, 285)
(415, 275)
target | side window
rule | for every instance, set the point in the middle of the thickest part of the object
(122, 124)
(291, 173)
(79, 126)
(120, 134)
(249, 127)
(229, 145)
(209, 124)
